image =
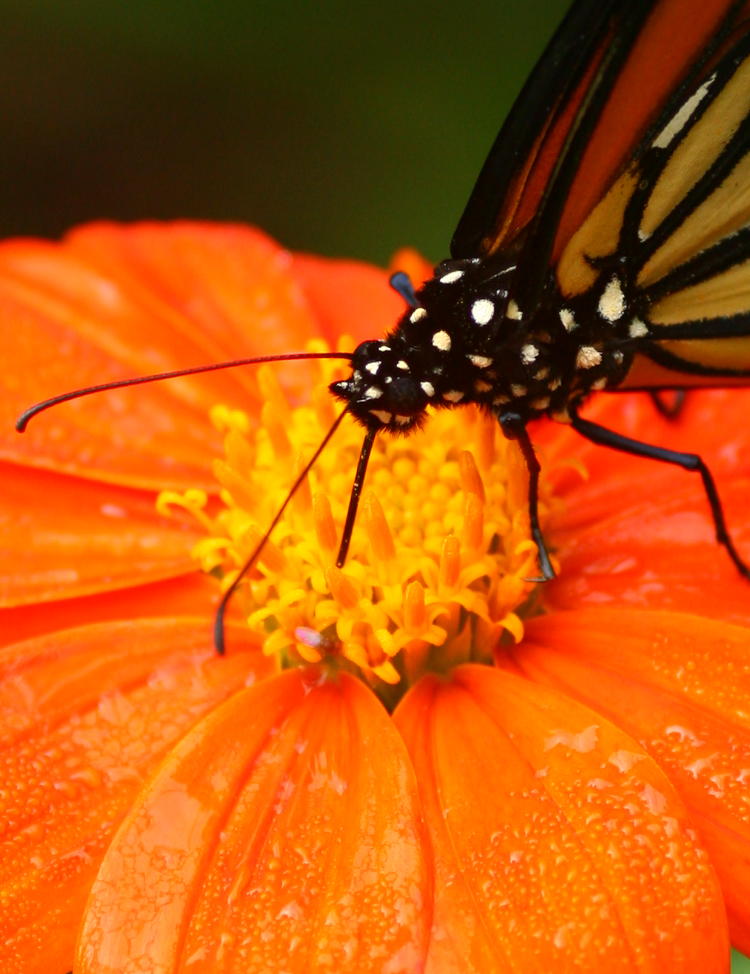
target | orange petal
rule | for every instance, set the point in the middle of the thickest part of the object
(282, 834)
(84, 716)
(112, 302)
(347, 297)
(64, 537)
(411, 262)
(620, 543)
(231, 282)
(181, 596)
(680, 685)
(553, 852)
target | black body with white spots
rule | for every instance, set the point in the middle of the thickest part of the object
(468, 341)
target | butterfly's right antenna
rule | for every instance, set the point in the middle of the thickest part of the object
(219, 638)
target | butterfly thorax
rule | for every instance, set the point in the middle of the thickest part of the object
(468, 340)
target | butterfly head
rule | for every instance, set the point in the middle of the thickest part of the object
(385, 390)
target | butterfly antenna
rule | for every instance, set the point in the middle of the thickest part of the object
(40, 407)
(359, 479)
(219, 635)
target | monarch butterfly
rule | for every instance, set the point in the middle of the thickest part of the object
(604, 246)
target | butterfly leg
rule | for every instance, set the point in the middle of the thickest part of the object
(688, 461)
(515, 429)
(402, 285)
(669, 408)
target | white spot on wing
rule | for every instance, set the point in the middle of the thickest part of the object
(417, 315)
(404, 366)
(372, 367)
(373, 393)
(481, 361)
(680, 118)
(529, 354)
(612, 302)
(427, 388)
(637, 328)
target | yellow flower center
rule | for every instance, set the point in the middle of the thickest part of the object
(440, 560)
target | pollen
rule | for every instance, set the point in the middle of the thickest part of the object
(440, 564)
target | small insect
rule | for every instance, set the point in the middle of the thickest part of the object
(605, 246)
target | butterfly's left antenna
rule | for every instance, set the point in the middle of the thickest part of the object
(40, 407)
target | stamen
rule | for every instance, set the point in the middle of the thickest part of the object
(342, 588)
(277, 434)
(325, 529)
(377, 528)
(450, 563)
(415, 616)
(473, 529)
(271, 557)
(193, 501)
(471, 480)
(272, 393)
(226, 419)
(302, 502)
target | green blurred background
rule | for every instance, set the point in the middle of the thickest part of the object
(340, 128)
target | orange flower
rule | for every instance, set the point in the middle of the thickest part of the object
(419, 762)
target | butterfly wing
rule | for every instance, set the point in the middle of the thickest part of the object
(631, 139)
